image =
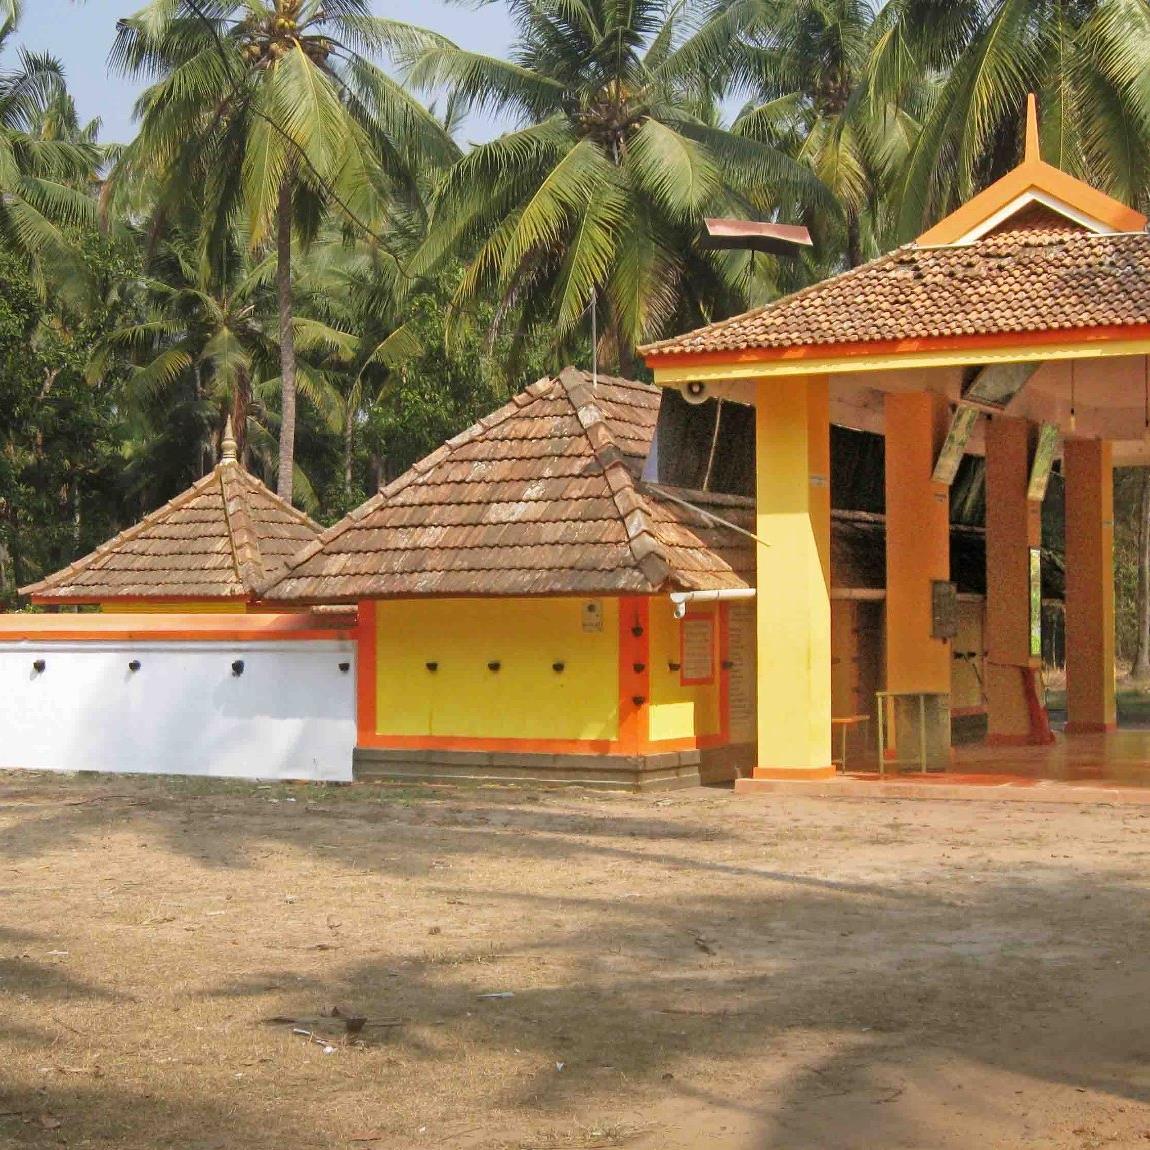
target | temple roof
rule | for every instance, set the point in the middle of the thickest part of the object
(543, 497)
(220, 539)
(1020, 280)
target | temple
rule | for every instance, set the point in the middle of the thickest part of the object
(763, 567)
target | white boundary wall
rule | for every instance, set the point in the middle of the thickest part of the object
(289, 715)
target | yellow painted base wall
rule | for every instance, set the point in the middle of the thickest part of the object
(175, 607)
(679, 711)
(526, 698)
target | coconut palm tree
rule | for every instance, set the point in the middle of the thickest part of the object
(1085, 60)
(272, 111)
(803, 66)
(598, 192)
(45, 175)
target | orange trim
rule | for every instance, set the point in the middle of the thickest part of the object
(987, 341)
(520, 746)
(292, 626)
(366, 687)
(95, 601)
(788, 773)
(536, 746)
(1034, 174)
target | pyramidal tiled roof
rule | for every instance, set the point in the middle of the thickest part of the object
(1038, 272)
(543, 497)
(220, 539)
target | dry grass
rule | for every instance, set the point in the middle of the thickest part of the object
(697, 970)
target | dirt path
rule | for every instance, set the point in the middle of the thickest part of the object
(691, 971)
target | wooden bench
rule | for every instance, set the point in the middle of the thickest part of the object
(844, 725)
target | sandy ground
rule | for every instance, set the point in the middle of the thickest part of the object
(697, 970)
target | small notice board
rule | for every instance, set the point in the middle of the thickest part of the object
(697, 652)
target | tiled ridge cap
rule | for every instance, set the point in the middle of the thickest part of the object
(649, 554)
(246, 556)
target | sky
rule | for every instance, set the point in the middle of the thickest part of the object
(80, 34)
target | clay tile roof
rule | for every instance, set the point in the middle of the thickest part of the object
(220, 539)
(1040, 273)
(542, 497)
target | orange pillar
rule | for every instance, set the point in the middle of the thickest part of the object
(634, 674)
(1089, 471)
(1013, 527)
(793, 603)
(917, 541)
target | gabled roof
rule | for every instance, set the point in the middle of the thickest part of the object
(1017, 280)
(220, 539)
(1034, 182)
(1036, 252)
(543, 497)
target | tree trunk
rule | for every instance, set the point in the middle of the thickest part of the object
(348, 447)
(854, 241)
(1141, 668)
(287, 344)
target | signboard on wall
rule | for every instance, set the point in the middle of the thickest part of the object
(698, 650)
(741, 712)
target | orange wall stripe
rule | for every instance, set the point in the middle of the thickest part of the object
(366, 687)
(534, 746)
(634, 652)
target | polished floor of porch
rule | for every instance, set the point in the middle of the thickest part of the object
(1082, 765)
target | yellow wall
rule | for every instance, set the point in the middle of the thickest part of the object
(677, 711)
(174, 607)
(525, 698)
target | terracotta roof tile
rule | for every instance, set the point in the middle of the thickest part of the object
(540, 498)
(220, 539)
(1039, 274)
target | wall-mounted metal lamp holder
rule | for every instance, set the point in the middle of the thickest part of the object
(238, 668)
(38, 666)
(558, 668)
(134, 665)
(494, 665)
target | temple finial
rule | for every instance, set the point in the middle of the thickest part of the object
(1033, 150)
(229, 449)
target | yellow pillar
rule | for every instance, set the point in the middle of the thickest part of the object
(1013, 527)
(793, 603)
(917, 541)
(1089, 586)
